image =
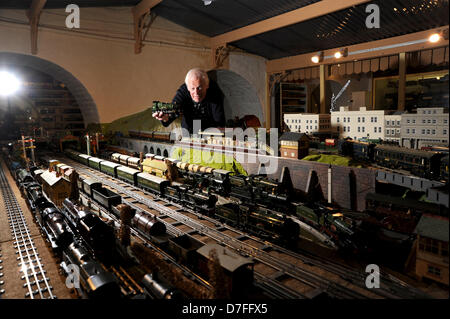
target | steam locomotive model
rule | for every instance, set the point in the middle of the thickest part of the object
(421, 163)
(332, 223)
(166, 108)
(76, 246)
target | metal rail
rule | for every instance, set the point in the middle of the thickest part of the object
(30, 263)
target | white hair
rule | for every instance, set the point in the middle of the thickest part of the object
(197, 73)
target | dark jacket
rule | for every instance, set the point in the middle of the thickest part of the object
(209, 111)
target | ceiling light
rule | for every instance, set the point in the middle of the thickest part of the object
(317, 58)
(207, 2)
(435, 37)
(341, 53)
(9, 84)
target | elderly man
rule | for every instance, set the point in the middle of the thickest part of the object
(199, 99)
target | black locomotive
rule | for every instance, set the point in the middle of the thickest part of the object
(71, 243)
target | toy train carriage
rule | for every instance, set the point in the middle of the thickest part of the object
(72, 154)
(163, 136)
(109, 168)
(127, 174)
(184, 248)
(134, 134)
(94, 162)
(134, 162)
(83, 158)
(123, 159)
(106, 197)
(88, 185)
(421, 163)
(148, 225)
(115, 157)
(152, 183)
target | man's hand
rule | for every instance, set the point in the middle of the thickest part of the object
(161, 116)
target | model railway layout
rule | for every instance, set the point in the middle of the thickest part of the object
(267, 256)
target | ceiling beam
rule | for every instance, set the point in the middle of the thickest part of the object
(311, 11)
(140, 13)
(33, 15)
(394, 45)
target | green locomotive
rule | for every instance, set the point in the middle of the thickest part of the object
(166, 108)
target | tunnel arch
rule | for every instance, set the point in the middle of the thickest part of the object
(84, 100)
(239, 96)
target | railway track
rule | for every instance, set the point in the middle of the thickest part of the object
(348, 285)
(34, 275)
(348, 282)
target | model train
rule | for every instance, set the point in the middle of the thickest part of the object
(80, 238)
(76, 241)
(421, 163)
(202, 199)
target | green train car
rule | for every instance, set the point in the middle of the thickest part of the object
(109, 168)
(127, 174)
(94, 162)
(152, 183)
(166, 108)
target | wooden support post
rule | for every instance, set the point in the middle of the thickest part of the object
(33, 15)
(140, 13)
(323, 102)
(268, 101)
(401, 80)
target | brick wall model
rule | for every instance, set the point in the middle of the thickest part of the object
(349, 184)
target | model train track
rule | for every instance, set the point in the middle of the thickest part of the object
(34, 275)
(282, 269)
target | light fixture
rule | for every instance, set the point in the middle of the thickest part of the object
(341, 53)
(207, 2)
(9, 84)
(435, 37)
(317, 58)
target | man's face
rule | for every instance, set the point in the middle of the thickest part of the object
(197, 88)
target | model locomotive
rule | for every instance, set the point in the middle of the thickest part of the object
(166, 108)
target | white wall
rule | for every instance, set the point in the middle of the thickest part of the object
(119, 81)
